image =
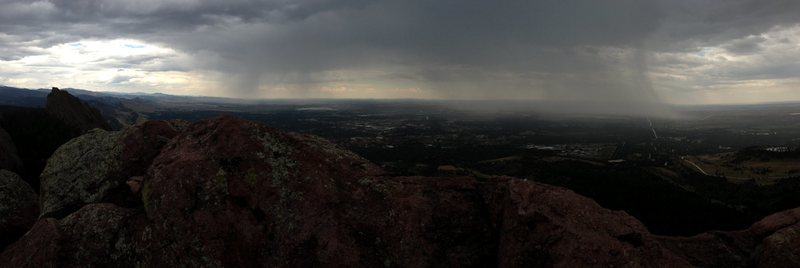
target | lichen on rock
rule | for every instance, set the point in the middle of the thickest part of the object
(96, 167)
(84, 170)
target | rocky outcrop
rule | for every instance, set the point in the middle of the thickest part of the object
(18, 207)
(780, 249)
(95, 167)
(277, 193)
(38, 248)
(74, 112)
(232, 193)
(767, 243)
(546, 226)
(8, 153)
(97, 235)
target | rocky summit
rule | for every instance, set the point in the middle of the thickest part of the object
(74, 112)
(226, 192)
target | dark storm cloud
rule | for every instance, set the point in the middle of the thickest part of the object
(451, 31)
(9, 53)
(436, 41)
(447, 32)
(688, 23)
(556, 48)
(748, 45)
(128, 61)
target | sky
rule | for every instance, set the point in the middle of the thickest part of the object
(620, 52)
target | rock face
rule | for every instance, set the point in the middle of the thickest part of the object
(780, 249)
(95, 167)
(73, 112)
(546, 226)
(771, 242)
(97, 235)
(276, 192)
(18, 207)
(232, 193)
(8, 153)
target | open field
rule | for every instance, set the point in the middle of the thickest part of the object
(761, 171)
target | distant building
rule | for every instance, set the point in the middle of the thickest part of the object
(778, 149)
(540, 147)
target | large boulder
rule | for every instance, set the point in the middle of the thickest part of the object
(780, 249)
(97, 235)
(95, 167)
(779, 246)
(548, 226)
(18, 207)
(8, 153)
(228, 192)
(249, 195)
(770, 242)
(81, 171)
(74, 112)
(38, 248)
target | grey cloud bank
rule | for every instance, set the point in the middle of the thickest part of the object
(624, 51)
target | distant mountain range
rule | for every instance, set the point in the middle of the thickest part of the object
(36, 97)
(119, 109)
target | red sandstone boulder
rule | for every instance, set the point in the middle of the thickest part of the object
(771, 242)
(249, 195)
(775, 222)
(544, 226)
(780, 248)
(97, 235)
(38, 248)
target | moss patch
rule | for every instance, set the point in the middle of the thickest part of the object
(251, 177)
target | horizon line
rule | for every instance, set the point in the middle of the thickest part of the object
(515, 100)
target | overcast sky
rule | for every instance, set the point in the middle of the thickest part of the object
(676, 51)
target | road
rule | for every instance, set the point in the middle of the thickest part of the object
(728, 177)
(655, 135)
(696, 166)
